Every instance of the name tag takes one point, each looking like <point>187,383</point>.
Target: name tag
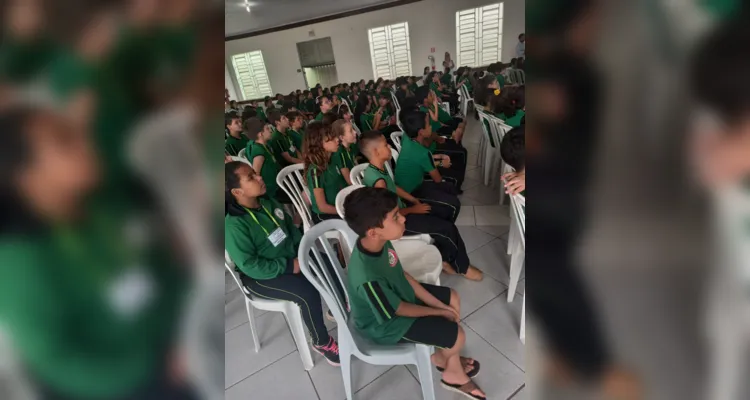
<point>131,291</point>
<point>276,237</point>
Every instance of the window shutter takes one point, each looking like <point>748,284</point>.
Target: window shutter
<point>250,71</point>
<point>479,33</point>
<point>390,51</point>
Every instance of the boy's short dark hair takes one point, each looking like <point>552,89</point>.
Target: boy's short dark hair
<point>421,93</point>
<point>367,139</point>
<point>273,116</point>
<point>414,122</point>
<point>513,148</point>
<point>253,126</point>
<point>292,115</point>
<point>366,208</point>
<point>229,117</point>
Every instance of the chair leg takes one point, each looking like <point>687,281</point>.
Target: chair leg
<point>512,233</point>
<point>297,326</point>
<point>489,160</point>
<point>345,358</point>
<point>522,329</point>
<point>424,368</point>
<point>251,322</point>
<point>516,263</point>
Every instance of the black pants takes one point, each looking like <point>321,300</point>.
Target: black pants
<point>295,288</point>
<point>446,236</point>
<point>318,218</point>
<point>434,331</point>
<point>459,159</point>
<point>441,196</point>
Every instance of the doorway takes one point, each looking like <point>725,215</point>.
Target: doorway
<point>317,62</point>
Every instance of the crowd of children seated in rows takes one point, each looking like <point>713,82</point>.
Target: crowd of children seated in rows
<point>319,130</point>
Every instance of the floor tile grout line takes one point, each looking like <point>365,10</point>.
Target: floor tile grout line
<point>517,390</point>
<point>378,377</point>
<point>312,383</point>
<point>282,357</point>
<point>496,349</point>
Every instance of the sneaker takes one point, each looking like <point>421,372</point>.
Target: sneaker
<point>330,352</point>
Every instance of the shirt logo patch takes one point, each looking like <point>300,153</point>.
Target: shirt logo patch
<point>392,257</point>
<point>279,213</point>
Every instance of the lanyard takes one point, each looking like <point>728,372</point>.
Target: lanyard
<point>256,219</point>
<point>346,156</point>
<point>269,152</point>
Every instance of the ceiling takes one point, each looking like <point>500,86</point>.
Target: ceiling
<point>265,14</point>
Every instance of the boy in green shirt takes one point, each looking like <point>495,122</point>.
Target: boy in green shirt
<point>388,306</point>
<point>262,158</point>
<point>325,106</point>
<point>235,141</point>
<point>263,242</point>
<point>295,132</point>
<point>446,237</point>
<point>281,143</point>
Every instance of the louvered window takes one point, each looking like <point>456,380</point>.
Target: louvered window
<point>390,51</point>
<point>252,78</point>
<point>479,35</point>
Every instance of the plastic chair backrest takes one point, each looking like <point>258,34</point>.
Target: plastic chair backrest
<point>487,133</point>
<point>394,157</point>
<point>357,173</point>
<point>396,139</point>
<point>479,107</point>
<point>341,196</point>
<point>241,159</point>
<point>498,128</point>
<point>242,153</point>
<point>314,251</point>
<point>446,107</point>
<point>292,181</point>
<point>518,202</point>
<point>229,265</point>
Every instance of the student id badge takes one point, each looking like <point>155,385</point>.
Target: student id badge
<point>276,237</point>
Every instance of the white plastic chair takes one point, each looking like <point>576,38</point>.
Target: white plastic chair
<point>396,139</point>
<point>518,242</point>
<point>465,100</point>
<point>492,159</point>
<point>394,156</point>
<point>241,159</point>
<point>356,129</point>
<point>447,107</point>
<point>290,310</point>
<point>357,174</point>
<point>293,182</point>
<point>241,154</point>
<point>351,342</point>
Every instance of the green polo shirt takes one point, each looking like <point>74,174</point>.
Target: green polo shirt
<point>376,286</point>
<point>319,117</point>
<point>434,124</point>
<point>247,242</point>
<point>270,168</point>
<point>345,158</point>
<point>330,180</point>
<point>373,174</point>
<point>91,306</point>
<point>414,161</point>
<point>514,121</point>
<point>296,138</point>
<point>366,120</point>
<point>233,145</point>
<point>283,143</point>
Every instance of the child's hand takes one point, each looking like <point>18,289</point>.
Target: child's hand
<point>449,314</point>
<point>515,182</point>
<point>420,208</point>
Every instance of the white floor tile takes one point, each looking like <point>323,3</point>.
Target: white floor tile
<point>521,395</point>
<point>241,360</point>
<point>496,231</point>
<point>466,216</point>
<point>486,195</point>
<point>234,310</point>
<point>475,173</point>
<point>491,215</point>
<point>473,237</point>
<point>498,323</point>
<point>499,378</point>
<point>283,380</point>
<point>470,183</point>
<point>473,294</point>
<point>396,384</point>
<point>492,260</point>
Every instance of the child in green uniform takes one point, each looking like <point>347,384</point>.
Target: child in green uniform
<point>235,141</point>
<point>513,153</point>
<point>295,133</point>
<point>344,158</point>
<point>325,106</point>
<point>89,308</point>
<point>263,159</point>
<point>446,237</point>
<point>416,160</point>
<point>364,110</point>
<point>507,106</point>
<point>388,306</point>
<point>262,241</point>
<point>442,123</point>
<point>324,180</point>
<point>281,142</point>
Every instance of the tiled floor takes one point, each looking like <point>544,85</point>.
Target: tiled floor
<point>490,322</point>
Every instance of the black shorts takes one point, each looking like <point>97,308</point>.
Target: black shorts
<point>433,331</point>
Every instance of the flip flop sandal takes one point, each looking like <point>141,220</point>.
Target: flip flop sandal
<point>474,372</point>
<point>464,389</point>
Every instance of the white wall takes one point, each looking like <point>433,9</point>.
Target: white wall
<point>432,23</point>
<point>229,84</point>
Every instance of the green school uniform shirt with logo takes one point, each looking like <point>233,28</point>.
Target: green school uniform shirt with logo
<point>270,168</point>
<point>248,244</point>
<point>345,158</point>
<point>283,143</point>
<point>330,180</point>
<point>296,138</point>
<point>91,306</point>
<point>366,120</point>
<point>376,286</point>
<point>373,174</point>
<point>233,145</point>
<point>414,161</point>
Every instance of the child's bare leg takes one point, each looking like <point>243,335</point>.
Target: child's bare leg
<point>455,373</point>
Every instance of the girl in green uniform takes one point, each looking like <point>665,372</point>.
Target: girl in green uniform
<point>324,180</point>
<point>263,242</point>
<point>344,158</point>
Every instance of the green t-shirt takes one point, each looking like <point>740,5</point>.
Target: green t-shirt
<point>296,138</point>
<point>414,161</point>
<point>376,286</point>
<point>466,81</point>
<point>500,80</point>
<point>90,307</point>
<point>434,88</point>
<point>233,145</point>
<point>260,114</point>
<point>330,180</point>
<point>514,121</point>
<point>248,244</point>
<point>319,117</point>
<point>22,60</point>
<point>434,124</point>
<point>345,158</point>
<point>270,168</point>
<point>366,120</point>
<point>373,174</point>
<point>283,143</point>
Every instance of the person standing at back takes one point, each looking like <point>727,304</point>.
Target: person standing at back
<point>521,46</point>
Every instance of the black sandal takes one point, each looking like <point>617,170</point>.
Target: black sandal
<point>464,389</point>
<point>474,372</point>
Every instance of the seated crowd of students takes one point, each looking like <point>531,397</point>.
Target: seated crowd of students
<point>321,133</point>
